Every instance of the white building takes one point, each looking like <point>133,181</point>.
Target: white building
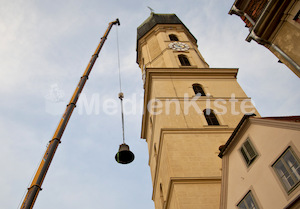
<point>260,164</point>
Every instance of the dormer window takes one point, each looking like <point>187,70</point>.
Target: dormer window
<point>173,37</point>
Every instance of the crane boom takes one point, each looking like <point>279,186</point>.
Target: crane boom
<point>40,174</point>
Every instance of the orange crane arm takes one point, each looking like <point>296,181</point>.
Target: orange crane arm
<point>40,174</point>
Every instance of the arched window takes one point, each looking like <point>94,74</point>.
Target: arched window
<point>210,117</point>
<point>198,89</point>
<point>161,195</point>
<point>184,61</point>
<point>173,37</point>
<point>155,149</point>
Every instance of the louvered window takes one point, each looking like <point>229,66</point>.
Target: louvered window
<point>248,152</point>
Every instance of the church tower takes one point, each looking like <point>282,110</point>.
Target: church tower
<point>190,110</point>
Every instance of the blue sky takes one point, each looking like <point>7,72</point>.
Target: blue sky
<point>46,45</point>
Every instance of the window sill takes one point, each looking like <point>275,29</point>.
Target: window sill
<point>291,190</point>
<point>189,66</point>
<point>215,126</point>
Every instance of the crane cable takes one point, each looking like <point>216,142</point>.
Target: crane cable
<point>121,95</point>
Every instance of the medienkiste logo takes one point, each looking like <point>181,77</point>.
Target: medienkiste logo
<point>95,104</point>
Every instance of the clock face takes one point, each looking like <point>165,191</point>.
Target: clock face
<point>179,46</point>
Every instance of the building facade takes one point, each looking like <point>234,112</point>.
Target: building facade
<point>275,24</point>
<point>261,164</point>
<point>189,111</point>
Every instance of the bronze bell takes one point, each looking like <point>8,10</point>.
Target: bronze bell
<point>124,156</point>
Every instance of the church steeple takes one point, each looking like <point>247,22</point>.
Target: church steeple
<point>190,110</point>
<point>171,44</point>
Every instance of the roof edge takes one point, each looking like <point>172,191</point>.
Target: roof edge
<point>234,133</point>
<point>156,19</point>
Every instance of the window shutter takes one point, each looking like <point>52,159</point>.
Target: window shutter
<point>248,152</point>
<point>245,155</point>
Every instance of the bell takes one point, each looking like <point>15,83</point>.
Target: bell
<point>124,156</point>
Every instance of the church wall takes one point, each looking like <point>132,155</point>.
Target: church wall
<point>215,87</point>
<point>183,148</point>
<point>156,52</point>
<point>200,195</point>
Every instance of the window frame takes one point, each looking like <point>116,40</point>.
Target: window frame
<point>288,169</point>
<point>249,194</point>
<point>245,152</point>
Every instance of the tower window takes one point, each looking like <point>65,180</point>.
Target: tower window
<point>173,37</point>
<point>161,195</point>
<point>184,61</point>
<point>287,168</point>
<point>210,117</point>
<point>198,89</point>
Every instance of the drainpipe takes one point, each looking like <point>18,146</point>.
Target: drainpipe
<point>252,35</point>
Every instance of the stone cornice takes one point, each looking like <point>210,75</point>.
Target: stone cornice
<point>188,180</point>
<point>191,71</point>
<point>276,123</point>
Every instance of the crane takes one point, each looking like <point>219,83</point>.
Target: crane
<point>41,172</point>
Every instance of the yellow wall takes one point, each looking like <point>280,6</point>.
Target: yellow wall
<point>154,51</point>
<point>183,148</point>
